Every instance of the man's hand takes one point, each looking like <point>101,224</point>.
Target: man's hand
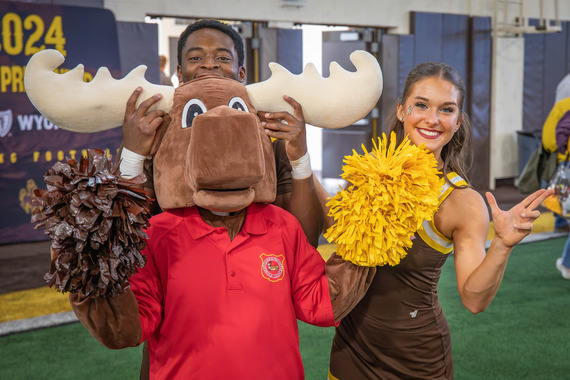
<point>284,126</point>
<point>140,125</point>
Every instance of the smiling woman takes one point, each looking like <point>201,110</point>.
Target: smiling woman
<point>433,115</point>
<point>411,338</point>
<point>430,111</point>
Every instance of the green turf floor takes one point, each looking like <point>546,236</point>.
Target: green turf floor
<point>524,334</point>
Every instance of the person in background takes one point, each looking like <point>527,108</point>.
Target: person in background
<point>398,330</point>
<point>562,92</point>
<point>563,89</point>
<point>164,79</point>
<point>557,129</point>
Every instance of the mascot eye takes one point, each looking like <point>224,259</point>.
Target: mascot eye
<point>193,108</point>
<point>238,104</point>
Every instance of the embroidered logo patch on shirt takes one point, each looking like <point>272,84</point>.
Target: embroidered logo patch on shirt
<point>272,267</point>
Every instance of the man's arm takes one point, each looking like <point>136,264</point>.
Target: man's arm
<point>303,201</point>
<point>324,198</point>
<point>139,129</point>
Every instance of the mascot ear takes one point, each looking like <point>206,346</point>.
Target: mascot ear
<point>334,102</point>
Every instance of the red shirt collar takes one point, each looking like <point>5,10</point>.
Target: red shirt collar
<point>255,223</point>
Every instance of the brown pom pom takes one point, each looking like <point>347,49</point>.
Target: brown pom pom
<point>95,221</point>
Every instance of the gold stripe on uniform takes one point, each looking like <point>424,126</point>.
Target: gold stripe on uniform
<point>331,377</point>
<point>428,232</point>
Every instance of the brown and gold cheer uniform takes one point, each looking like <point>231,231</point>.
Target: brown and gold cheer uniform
<point>398,330</point>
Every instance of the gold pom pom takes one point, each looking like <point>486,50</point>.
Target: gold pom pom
<point>392,191</point>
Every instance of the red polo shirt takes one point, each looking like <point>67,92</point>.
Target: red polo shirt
<point>212,308</point>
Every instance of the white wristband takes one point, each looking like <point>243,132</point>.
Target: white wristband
<point>132,164</point>
<point>301,167</point>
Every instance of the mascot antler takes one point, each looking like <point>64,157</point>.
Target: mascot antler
<point>334,102</point>
<point>72,104</point>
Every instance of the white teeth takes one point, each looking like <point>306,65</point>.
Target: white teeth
<point>429,133</point>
